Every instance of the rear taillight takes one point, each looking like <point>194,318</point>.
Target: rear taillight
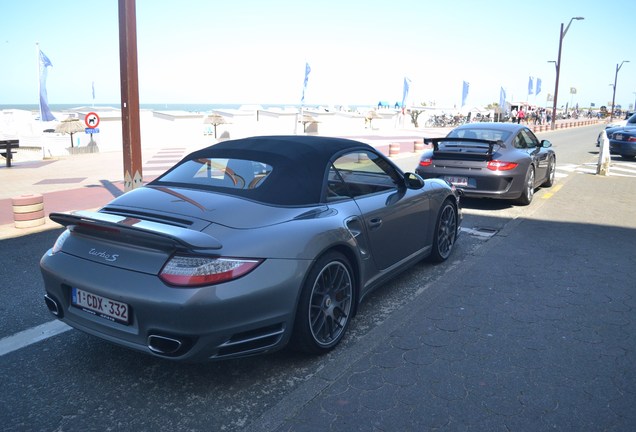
<point>426,162</point>
<point>497,165</point>
<point>631,139</point>
<point>60,241</point>
<point>190,271</point>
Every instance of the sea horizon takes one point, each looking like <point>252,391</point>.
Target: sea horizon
<point>189,107</point>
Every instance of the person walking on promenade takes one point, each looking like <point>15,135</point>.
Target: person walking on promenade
<point>521,116</point>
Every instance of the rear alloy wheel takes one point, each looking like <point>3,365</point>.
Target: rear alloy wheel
<point>551,173</point>
<point>326,304</point>
<point>445,232</point>
<point>528,189</point>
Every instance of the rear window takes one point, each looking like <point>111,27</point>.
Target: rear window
<point>485,134</point>
<point>222,173</point>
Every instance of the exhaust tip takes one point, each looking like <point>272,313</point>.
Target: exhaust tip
<point>53,306</point>
<point>164,345</point>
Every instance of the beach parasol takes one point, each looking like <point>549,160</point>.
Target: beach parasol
<point>70,126</point>
<point>370,115</point>
<point>215,120</point>
<point>307,119</point>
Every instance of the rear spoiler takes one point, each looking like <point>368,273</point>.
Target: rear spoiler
<point>472,148</point>
<point>139,228</point>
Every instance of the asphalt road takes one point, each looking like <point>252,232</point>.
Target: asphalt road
<point>75,382</point>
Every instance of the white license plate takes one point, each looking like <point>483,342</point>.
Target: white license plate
<point>457,181</point>
<point>101,306</point>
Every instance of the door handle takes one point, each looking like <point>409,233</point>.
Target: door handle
<point>375,223</point>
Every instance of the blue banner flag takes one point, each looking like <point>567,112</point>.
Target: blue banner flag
<point>530,85</point>
<point>465,88</point>
<point>307,70</point>
<point>538,90</point>
<point>502,99</point>
<point>405,92</point>
<point>45,111</point>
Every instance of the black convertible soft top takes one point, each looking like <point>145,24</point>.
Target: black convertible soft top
<point>300,165</point>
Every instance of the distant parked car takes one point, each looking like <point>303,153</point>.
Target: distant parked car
<point>622,139</point>
<point>245,246</point>
<point>614,124</point>
<point>619,123</point>
<point>491,160</point>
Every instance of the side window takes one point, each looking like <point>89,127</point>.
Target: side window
<point>529,138</point>
<point>362,173</point>
<point>519,142</point>
<point>336,187</point>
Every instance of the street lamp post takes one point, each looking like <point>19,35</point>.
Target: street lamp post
<point>618,67</point>
<point>558,68</point>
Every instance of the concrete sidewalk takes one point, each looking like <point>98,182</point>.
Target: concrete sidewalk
<point>74,183</point>
<point>536,333</point>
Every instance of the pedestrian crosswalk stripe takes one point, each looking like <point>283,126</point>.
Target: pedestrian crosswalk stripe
<point>567,167</point>
<point>622,169</point>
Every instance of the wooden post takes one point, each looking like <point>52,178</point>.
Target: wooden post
<point>133,176</point>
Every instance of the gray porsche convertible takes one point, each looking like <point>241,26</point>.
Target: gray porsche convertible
<point>246,246</point>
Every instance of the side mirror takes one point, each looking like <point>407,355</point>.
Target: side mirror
<point>413,181</point>
<point>546,144</point>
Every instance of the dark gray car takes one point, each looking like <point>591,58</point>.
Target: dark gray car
<point>491,160</point>
<point>245,246</point>
<point>622,139</point>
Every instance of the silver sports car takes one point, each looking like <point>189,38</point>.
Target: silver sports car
<point>246,246</point>
<point>491,160</point>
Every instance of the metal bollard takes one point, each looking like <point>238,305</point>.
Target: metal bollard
<point>603,166</point>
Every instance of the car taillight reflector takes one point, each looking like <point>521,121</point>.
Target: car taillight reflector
<point>60,241</point>
<point>426,162</point>
<point>497,165</point>
<point>188,271</point>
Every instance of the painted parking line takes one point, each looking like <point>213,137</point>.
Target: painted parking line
<point>479,232</point>
<point>31,336</point>
<point>549,194</point>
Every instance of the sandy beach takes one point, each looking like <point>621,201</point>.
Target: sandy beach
<point>191,130</point>
<point>47,161</point>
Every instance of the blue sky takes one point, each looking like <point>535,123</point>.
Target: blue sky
<point>254,51</point>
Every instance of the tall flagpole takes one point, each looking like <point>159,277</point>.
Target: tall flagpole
<point>38,63</point>
<point>302,99</point>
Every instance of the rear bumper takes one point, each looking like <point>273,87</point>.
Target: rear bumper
<point>253,314</point>
<point>623,148</point>
<point>484,186</point>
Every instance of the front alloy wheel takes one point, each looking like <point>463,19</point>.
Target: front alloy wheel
<point>445,232</point>
<point>325,307</point>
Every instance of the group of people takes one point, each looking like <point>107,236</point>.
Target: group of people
<point>535,116</point>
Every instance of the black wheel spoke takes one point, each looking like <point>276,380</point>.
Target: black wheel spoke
<point>330,303</point>
<point>446,231</point>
